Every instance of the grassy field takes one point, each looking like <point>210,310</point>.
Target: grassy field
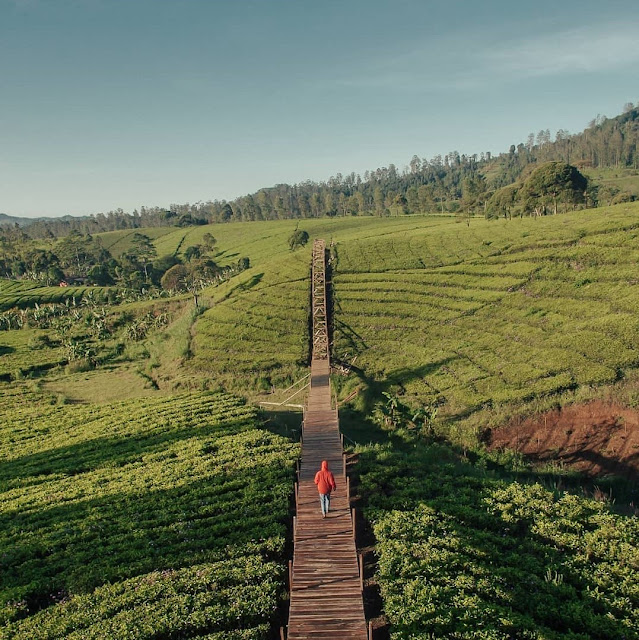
<point>119,242</point>
<point>26,351</point>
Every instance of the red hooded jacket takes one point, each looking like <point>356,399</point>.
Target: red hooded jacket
<point>324,479</point>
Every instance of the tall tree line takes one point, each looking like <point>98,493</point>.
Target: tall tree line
<point>449,183</point>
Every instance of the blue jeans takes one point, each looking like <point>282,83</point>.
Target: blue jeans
<point>325,502</point>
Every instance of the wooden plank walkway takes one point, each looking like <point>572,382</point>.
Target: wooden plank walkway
<point>326,597</point>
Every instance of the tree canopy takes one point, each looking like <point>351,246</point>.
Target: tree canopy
<point>297,239</point>
<point>444,183</point>
<point>502,201</point>
<point>553,183</point>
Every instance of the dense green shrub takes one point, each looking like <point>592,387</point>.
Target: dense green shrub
<point>465,554</point>
<point>157,517</point>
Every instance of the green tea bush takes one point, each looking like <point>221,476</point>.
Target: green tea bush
<point>464,553</point>
<point>156,517</point>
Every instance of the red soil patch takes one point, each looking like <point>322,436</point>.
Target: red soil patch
<point>596,438</point>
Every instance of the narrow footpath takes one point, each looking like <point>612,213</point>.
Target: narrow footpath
<point>326,596</point>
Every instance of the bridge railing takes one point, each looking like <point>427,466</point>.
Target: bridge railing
<point>318,301</point>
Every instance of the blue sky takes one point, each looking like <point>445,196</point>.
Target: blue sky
<point>122,103</point>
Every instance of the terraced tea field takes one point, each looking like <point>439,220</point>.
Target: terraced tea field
<point>147,518</point>
<point>489,321</point>
<point>25,294</point>
<point>166,516</point>
<point>256,332</point>
<point>480,317</point>
<point>471,554</point>
<point>496,313</point>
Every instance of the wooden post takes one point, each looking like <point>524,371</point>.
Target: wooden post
<point>348,491</point>
<point>360,562</point>
<point>282,636</point>
<point>294,526</point>
<point>370,630</point>
<point>344,464</point>
<point>341,437</point>
<point>353,521</point>
<point>290,575</point>
<point>296,497</point>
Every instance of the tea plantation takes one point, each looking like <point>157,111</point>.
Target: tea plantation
<point>465,552</point>
<point>159,517</point>
<point>25,294</point>
<point>167,516</point>
<point>489,316</point>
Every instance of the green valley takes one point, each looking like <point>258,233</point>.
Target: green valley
<point>166,513</point>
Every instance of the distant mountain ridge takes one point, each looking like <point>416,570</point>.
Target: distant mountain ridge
<point>7,220</point>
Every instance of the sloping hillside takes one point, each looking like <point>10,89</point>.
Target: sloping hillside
<point>482,318</point>
<point>442,330</point>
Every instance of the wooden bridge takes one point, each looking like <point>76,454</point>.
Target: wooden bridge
<point>325,576</point>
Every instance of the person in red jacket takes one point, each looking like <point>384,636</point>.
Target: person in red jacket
<point>325,482</point>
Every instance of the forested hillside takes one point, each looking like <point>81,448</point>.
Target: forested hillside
<point>452,182</point>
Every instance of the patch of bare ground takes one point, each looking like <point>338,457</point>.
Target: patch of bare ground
<point>109,384</point>
<point>597,438</point>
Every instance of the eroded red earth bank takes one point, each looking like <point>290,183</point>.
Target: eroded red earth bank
<point>597,438</point>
